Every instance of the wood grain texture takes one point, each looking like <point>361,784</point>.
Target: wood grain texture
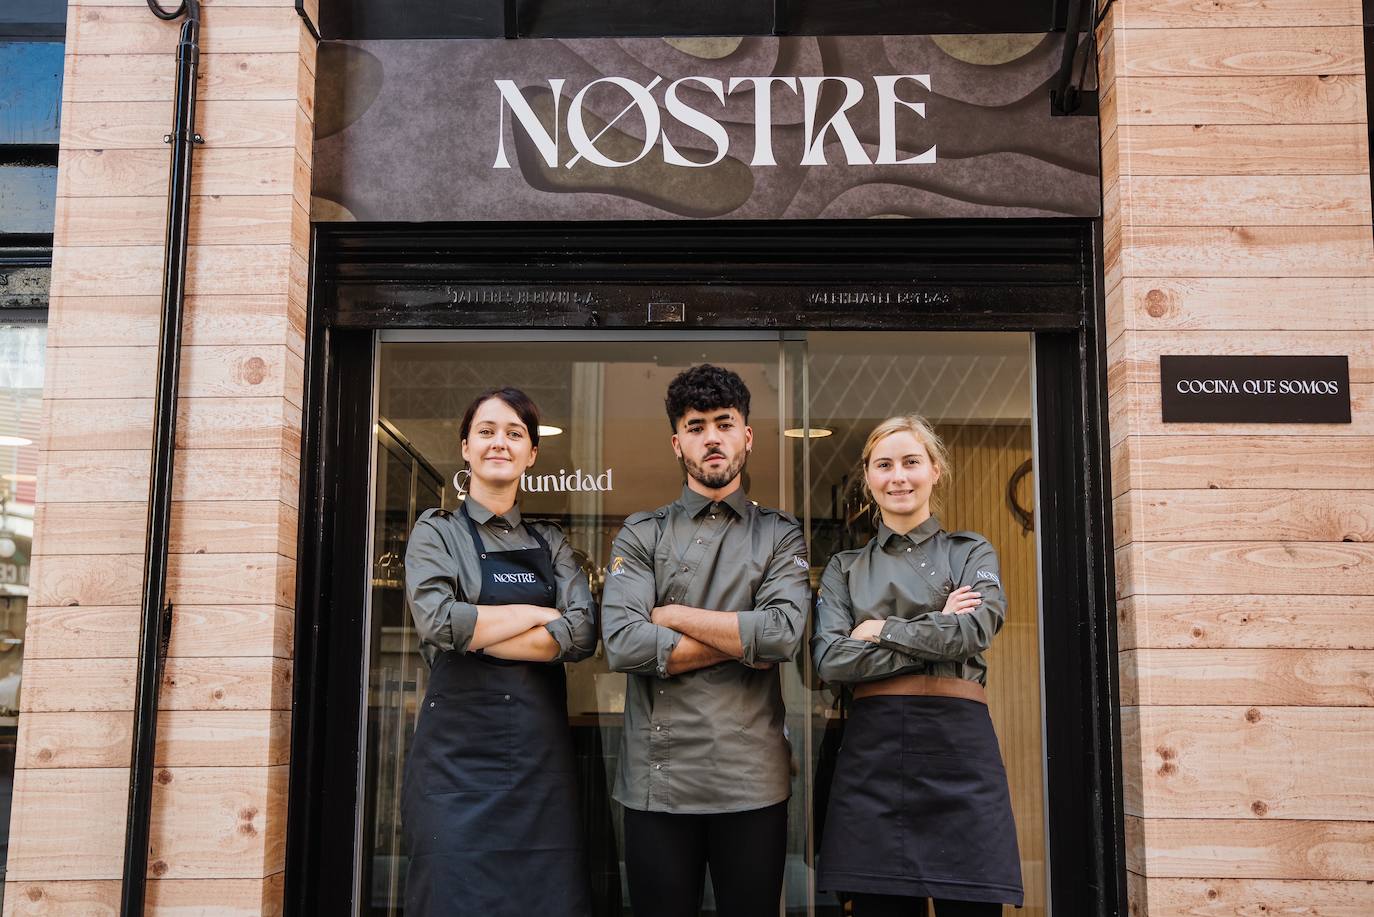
<point>67,823</point>
<point>226,320</point>
<point>166,897</point>
<point>1246,622</point>
<point>95,632</point>
<point>254,124</point>
<point>202,423</point>
<point>1253,200</point>
<point>1134,356</point>
<point>1249,251</point>
<point>242,527</point>
<point>1216,462</point>
<point>212,822</point>
<point>148,78</point>
<point>1245,897</point>
<point>1327,99</point>
<point>1224,14</point>
<point>215,220</point>
<point>1257,849</point>
<point>1248,762</point>
<point>1263,149</point>
<point>225,30</point>
<point>200,474</point>
<point>193,579</point>
<point>136,270</point>
<point>1244,515</point>
<point>1240,51</point>
<point>1257,568</point>
<point>1135,410</point>
<point>1248,303</point>
<point>88,174</point>
<point>185,738</point>
<point>1250,677</point>
<point>188,683</point>
<point>211,371</point>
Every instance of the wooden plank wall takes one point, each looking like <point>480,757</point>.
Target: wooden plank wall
<point>1237,196</point>
<point>220,781</point>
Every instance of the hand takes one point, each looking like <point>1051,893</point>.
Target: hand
<point>961,601</point>
<point>662,614</point>
<point>869,630</point>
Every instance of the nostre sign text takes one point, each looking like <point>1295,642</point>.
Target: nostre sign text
<point>753,128</point>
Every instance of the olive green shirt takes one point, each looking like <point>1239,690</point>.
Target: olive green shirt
<point>709,740</point>
<point>444,579</point>
<point>907,579</point>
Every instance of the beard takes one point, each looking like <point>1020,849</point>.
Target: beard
<point>715,479</point>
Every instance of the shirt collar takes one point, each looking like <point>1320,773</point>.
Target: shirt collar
<point>483,516</point>
<point>915,536</point>
<point>695,503</point>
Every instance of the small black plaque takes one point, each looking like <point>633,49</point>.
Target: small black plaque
<point>1255,389</point>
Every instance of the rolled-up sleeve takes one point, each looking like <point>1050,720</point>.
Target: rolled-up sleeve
<point>633,642</point>
<point>839,658</point>
<point>772,630</point>
<point>956,637</point>
<point>575,631</point>
<point>442,619</point>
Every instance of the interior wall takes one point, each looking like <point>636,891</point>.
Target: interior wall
<point>1237,221</point>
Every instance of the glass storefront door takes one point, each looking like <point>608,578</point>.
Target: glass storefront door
<point>605,454</point>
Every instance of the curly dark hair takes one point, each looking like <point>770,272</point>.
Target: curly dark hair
<point>705,388</point>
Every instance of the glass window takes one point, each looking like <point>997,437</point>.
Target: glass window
<point>814,401</point>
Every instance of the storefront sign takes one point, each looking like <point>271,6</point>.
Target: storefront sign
<point>1255,389</point>
<point>575,481</point>
<point>648,128</point>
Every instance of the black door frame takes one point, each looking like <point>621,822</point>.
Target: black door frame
<point>1037,276</point>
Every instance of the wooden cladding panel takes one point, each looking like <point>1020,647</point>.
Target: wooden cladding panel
<point>189,683</point>
<point>193,579</point>
<point>200,474</point>
<point>207,372</point>
<point>136,270</point>
<point>111,631</point>
<point>1236,897</point>
<point>207,822</point>
<point>124,321</point>
<point>225,30</point>
<point>185,738</point>
<point>1181,462</point>
<point>1263,149</point>
<point>1254,848</point>
<point>1263,52</point>
<point>1134,356</point>
<point>1248,762</point>
<point>1254,200</point>
<point>241,527</point>
<point>1227,14</point>
<point>1244,515</point>
<point>166,898</point>
<point>90,174</point>
<point>202,423</point>
<point>1249,251</point>
<point>1247,303</point>
<point>1327,99</point>
<point>1249,677</point>
<point>152,77</point>
<point>1135,410</point>
<point>215,219</point>
<point>255,124</point>
<point>1245,622</point>
<point>1253,567</point>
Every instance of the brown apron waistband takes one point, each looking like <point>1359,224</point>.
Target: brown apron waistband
<point>916,685</point>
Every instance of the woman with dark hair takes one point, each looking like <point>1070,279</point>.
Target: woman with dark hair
<point>919,807</point>
<point>490,802</point>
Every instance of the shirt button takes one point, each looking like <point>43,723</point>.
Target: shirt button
<point>685,568</point>
<point>507,697</point>
<point>699,541</point>
<point>660,690</point>
<point>658,728</point>
<point>658,767</point>
<point>908,550</point>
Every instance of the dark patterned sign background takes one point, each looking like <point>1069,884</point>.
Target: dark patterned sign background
<point>410,131</point>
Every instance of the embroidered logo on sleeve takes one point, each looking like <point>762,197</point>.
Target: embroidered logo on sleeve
<point>801,561</point>
<point>617,566</point>
<point>989,575</point>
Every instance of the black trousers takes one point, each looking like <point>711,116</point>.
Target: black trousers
<point>901,906</point>
<point>666,857</point>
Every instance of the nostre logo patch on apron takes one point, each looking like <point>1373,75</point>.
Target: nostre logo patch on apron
<point>513,578</point>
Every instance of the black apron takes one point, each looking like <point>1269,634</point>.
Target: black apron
<point>490,803</point>
<point>919,805</point>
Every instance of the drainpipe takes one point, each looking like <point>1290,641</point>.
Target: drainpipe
<point>155,624</point>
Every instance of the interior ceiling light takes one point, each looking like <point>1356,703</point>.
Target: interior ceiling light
<point>15,441</point>
<point>548,430</point>
<point>808,433</point>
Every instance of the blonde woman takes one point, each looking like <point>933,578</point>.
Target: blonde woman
<point>919,807</point>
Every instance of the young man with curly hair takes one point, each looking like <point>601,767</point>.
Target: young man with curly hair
<point>704,598</point>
